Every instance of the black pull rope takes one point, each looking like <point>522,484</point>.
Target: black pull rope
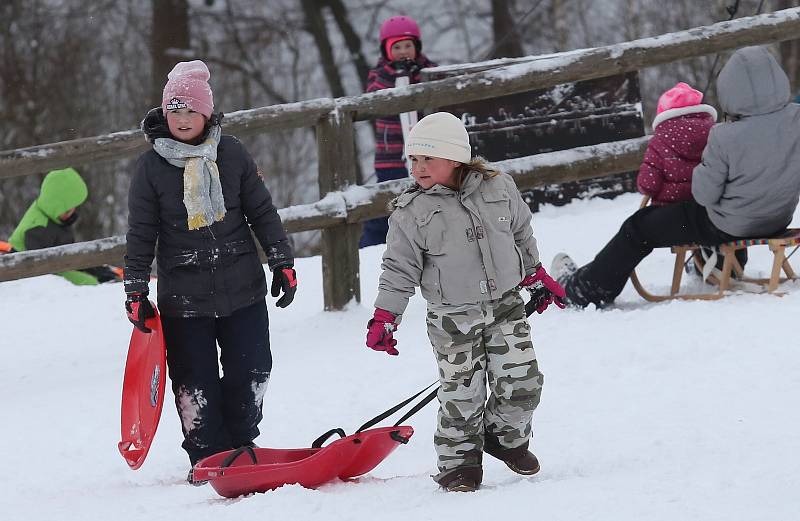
<point>396,408</point>
<point>414,410</point>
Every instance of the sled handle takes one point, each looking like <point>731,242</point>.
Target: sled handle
<point>399,438</point>
<point>322,439</point>
<point>228,461</point>
<point>131,453</point>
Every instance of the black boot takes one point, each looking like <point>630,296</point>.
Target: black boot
<point>519,459</point>
<point>194,482</point>
<point>461,479</point>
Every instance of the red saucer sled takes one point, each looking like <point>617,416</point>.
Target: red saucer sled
<point>248,469</point>
<point>143,391</point>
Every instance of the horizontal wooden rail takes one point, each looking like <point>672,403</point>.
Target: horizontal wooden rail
<point>120,145</point>
<point>353,205</point>
<point>536,73</point>
<point>583,64</point>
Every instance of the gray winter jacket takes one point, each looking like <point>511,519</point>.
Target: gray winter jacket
<point>459,247</point>
<point>749,178</point>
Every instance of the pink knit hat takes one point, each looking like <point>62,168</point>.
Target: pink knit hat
<point>187,86</point>
<point>681,95</point>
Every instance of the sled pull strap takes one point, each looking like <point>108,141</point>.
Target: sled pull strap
<point>322,439</point>
<point>399,406</point>
<point>417,407</point>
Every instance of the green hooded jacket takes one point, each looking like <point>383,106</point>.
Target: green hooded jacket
<point>40,227</point>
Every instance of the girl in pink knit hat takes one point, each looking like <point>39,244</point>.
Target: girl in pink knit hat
<point>680,133</point>
<point>194,200</point>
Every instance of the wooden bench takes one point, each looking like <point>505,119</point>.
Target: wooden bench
<point>780,263</point>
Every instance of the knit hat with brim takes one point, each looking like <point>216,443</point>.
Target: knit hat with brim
<point>440,134</point>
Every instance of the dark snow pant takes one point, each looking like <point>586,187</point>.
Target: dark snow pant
<point>219,413</point>
<point>375,229</point>
<point>603,279</point>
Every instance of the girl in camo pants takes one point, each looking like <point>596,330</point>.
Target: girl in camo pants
<point>462,234</point>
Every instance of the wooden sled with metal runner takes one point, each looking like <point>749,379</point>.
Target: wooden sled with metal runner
<point>730,266</point>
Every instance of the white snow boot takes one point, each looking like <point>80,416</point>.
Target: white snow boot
<point>562,268</point>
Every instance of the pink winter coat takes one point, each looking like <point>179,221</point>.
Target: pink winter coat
<point>679,137</point>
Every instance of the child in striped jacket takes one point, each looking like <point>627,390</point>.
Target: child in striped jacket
<point>401,55</point>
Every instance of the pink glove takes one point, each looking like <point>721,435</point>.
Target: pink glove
<point>544,289</point>
<point>379,332</point>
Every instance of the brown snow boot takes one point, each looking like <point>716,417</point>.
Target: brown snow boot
<point>461,479</point>
<point>519,459</point>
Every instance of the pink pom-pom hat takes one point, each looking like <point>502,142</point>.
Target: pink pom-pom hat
<point>187,87</point>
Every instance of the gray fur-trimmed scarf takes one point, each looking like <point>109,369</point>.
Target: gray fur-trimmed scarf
<point>202,190</point>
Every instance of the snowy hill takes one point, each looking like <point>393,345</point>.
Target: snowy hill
<point>675,411</point>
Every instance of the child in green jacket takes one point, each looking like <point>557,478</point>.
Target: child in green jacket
<point>48,222</point>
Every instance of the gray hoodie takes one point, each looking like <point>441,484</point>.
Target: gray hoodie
<point>749,178</point>
<point>459,247</point>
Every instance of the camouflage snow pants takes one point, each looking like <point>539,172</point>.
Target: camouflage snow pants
<point>473,343</point>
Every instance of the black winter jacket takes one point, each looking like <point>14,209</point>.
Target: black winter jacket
<point>215,270</point>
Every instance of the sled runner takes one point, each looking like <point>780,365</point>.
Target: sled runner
<point>725,281</point>
<point>247,470</point>
<point>143,391</point>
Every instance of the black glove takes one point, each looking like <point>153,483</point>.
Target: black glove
<point>139,309</point>
<point>284,278</point>
<point>540,298</point>
<point>405,67</point>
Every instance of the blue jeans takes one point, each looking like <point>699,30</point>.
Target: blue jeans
<point>375,229</point>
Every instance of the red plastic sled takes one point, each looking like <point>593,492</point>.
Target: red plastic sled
<point>143,391</point>
<point>244,471</point>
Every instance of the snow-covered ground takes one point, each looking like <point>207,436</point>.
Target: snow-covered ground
<point>677,411</point>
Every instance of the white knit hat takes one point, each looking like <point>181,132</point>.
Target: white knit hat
<point>440,134</point>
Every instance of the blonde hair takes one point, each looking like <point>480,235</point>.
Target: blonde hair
<point>476,164</point>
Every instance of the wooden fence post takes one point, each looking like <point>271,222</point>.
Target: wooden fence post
<point>337,169</point>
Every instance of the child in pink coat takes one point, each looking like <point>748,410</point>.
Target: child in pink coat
<point>680,133</point>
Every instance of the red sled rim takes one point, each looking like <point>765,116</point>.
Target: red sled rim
<point>142,392</point>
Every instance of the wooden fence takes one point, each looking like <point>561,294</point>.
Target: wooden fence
<point>343,206</point>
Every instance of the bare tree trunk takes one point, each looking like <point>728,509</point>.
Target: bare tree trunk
<point>170,31</point>
<point>351,39</point>
<point>507,42</point>
<point>558,21</point>
<point>633,21</point>
<point>790,50</point>
<point>315,24</point>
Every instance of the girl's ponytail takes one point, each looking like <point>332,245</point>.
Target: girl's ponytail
<point>476,164</point>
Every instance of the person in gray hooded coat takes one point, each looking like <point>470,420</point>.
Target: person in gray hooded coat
<point>747,184</point>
